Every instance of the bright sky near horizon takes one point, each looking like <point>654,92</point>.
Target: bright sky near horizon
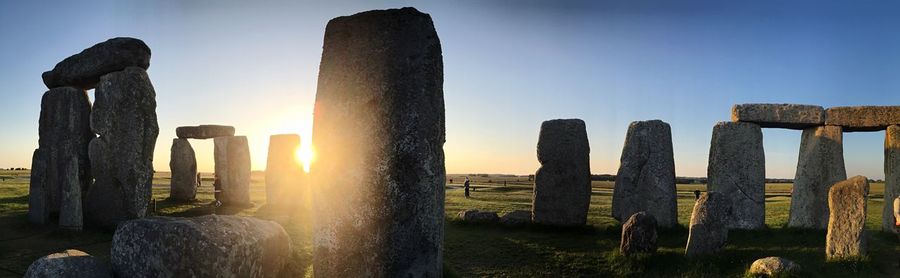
<point>508,66</point>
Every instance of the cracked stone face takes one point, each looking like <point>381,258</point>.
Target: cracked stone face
<point>646,177</point>
<point>562,185</point>
<point>846,237</point>
<point>737,169</point>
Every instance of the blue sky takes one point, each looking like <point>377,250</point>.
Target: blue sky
<point>508,66</point>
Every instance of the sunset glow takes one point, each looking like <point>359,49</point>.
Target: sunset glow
<point>305,154</point>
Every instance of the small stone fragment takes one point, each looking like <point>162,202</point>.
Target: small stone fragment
<point>708,232</point>
<point>516,218</point>
<point>476,216</point>
<point>774,267</point>
<point>639,234</point>
<point>70,263</point>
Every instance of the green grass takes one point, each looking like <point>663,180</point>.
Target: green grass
<point>492,250</point>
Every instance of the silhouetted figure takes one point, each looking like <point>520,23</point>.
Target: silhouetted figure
<point>451,181</point>
<point>199,183</point>
<point>217,189</point>
<point>466,185</point>
<point>697,194</point>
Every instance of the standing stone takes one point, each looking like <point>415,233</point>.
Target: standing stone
<point>846,236</point>
<point>232,157</point>
<point>70,263</point>
<point>891,176</point>
<point>562,186</point>
<point>183,166</point>
<point>124,116</point>
<point>84,69</point>
<point>204,246</point>
<point>793,116</point>
<point>863,118</point>
<point>646,177</point>
<point>708,232</point>
<point>639,234</point>
<point>70,217</point>
<point>38,201</point>
<point>820,165</point>
<point>737,168</point>
<point>379,134</point>
<point>65,132</point>
<point>283,172</point>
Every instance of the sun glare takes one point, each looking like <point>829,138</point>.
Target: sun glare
<point>305,155</point>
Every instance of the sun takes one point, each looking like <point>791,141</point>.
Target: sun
<point>305,155</point>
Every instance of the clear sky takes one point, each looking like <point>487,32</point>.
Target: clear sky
<point>508,66</point>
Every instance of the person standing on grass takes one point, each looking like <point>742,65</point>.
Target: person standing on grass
<point>466,185</point>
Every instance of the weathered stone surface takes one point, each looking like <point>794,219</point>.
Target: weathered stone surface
<point>64,129</point>
<point>793,116</point>
<point>820,165</point>
<point>516,218</point>
<point>708,232</point>
<point>84,69</point>
<point>379,135</point>
<point>204,246</point>
<point>863,118</point>
<point>70,213</point>
<point>846,236</point>
<point>477,216</point>
<point>774,267</point>
<point>284,174</point>
<point>638,234</point>
<point>891,176</point>
<point>232,157</point>
<point>562,186</point>
<point>124,117</point>
<point>737,168</point>
<point>204,131</point>
<point>646,177</point>
<point>38,199</point>
<point>183,165</point>
<point>69,263</point>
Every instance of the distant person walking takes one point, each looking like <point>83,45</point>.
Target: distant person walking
<point>466,185</point>
<point>697,194</point>
<point>199,183</point>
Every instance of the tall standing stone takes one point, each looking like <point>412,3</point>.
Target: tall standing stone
<point>183,166</point>
<point>708,232</point>
<point>38,199</point>
<point>562,186</point>
<point>891,176</point>
<point>646,177</point>
<point>64,130</point>
<point>379,132</point>
<point>124,117</point>
<point>820,165</point>
<point>283,173</point>
<point>70,212</point>
<point>846,236</point>
<point>737,168</point>
<point>232,157</point>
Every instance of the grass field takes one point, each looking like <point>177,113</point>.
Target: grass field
<point>489,250</point>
